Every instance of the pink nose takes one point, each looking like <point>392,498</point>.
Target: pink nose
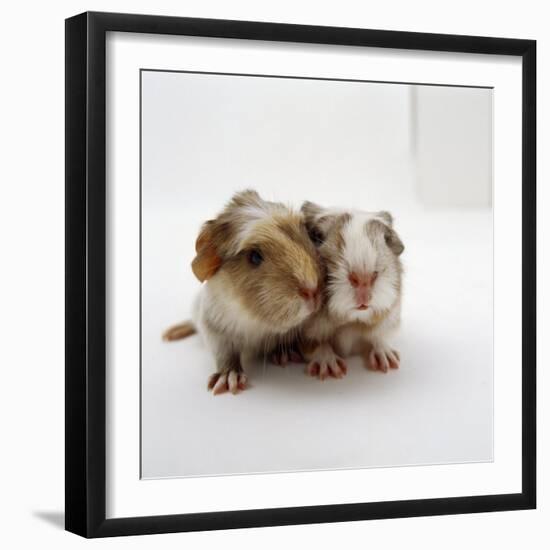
<point>310,295</point>
<point>362,283</point>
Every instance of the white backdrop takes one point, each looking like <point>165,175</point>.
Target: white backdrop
<point>31,221</point>
<point>342,144</point>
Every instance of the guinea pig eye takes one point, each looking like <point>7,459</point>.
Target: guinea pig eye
<point>316,237</point>
<point>255,257</point>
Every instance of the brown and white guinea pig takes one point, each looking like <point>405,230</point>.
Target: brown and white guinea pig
<point>362,305</point>
<point>262,277</point>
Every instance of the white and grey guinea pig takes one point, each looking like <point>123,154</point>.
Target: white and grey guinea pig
<point>262,279</point>
<point>361,254</point>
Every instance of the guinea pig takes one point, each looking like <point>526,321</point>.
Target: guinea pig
<point>262,281</point>
<point>362,306</point>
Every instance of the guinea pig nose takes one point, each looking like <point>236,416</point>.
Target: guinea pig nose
<point>312,297</point>
<point>309,293</point>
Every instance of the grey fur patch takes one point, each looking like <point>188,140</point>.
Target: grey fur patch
<point>376,229</point>
<point>386,217</point>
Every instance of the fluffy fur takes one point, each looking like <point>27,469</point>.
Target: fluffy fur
<point>354,242</point>
<point>262,277</point>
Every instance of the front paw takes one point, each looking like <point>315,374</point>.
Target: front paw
<point>382,358</point>
<point>287,354</point>
<point>232,381</point>
<point>325,363</point>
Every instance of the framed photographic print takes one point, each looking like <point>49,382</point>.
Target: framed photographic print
<point>300,274</point>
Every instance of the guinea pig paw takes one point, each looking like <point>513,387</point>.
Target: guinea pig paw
<point>382,359</point>
<point>232,381</point>
<point>280,358</point>
<point>325,367</point>
<point>283,356</point>
<point>295,356</point>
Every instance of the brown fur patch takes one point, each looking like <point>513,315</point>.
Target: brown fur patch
<point>307,347</point>
<point>286,268</point>
<point>268,291</point>
<point>207,261</point>
<point>178,332</point>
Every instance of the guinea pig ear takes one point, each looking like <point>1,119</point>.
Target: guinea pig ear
<point>377,228</point>
<point>393,241</point>
<point>311,211</point>
<point>248,197</point>
<point>391,237</point>
<point>207,261</point>
<point>386,217</point>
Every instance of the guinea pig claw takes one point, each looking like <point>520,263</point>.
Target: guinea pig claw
<point>232,381</point>
<point>242,381</point>
<point>280,358</point>
<point>333,367</point>
<point>343,367</point>
<point>221,386</point>
<point>373,362</point>
<point>383,359</point>
<point>394,359</point>
<point>212,379</point>
<point>339,372</point>
<point>313,368</point>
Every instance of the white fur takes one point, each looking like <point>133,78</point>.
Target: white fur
<point>223,310</point>
<point>253,215</point>
<point>361,255</point>
<point>216,302</point>
<point>350,339</point>
<point>359,252</point>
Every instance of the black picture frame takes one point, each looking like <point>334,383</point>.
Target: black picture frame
<point>85,453</point>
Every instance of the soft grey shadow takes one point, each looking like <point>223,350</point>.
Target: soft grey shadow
<point>57,519</point>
